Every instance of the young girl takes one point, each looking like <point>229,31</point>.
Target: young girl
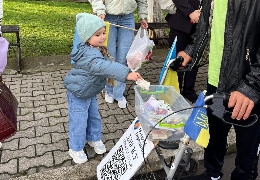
<point>87,79</point>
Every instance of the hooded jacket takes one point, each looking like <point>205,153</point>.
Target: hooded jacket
<point>119,7</point>
<point>91,69</point>
<point>240,65</point>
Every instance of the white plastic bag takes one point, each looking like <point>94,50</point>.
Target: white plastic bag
<point>140,50</point>
<point>3,54</point>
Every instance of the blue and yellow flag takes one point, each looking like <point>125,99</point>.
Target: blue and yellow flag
<point>171,77</point>
<point>197,126</point>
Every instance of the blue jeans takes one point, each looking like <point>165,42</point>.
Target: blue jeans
<point>119,42</point>
<point>84,121</point>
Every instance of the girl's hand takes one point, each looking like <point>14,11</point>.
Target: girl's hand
<point>102,16</point>
<point>144,24</point>
<point>134,76</point>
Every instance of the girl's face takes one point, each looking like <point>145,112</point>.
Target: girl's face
<point>98,38</point>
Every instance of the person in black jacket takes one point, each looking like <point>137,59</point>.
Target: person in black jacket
<point>182,24</point>
<point>234,69</point>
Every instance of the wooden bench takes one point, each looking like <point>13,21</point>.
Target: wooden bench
<point>14,29</point>
<point>155,26</point>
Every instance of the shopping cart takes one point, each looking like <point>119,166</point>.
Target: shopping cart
<point>182,164</point>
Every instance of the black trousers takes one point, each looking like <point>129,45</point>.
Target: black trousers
<point>247,143</point>
<point>188,78</point>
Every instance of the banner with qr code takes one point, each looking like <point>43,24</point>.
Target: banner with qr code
<point>126,157</point>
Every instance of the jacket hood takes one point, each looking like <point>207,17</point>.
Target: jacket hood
<point>81,49</point>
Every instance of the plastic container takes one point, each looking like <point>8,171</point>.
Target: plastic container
<point>171,127</point>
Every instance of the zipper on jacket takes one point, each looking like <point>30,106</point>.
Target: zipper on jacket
<point>248,55</point>
<point>199,50</point>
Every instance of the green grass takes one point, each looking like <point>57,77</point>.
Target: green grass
<point>46,27</point>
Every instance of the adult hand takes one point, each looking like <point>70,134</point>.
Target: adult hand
<point>186,58</point>
<point>242,105</point>
<point>144,24</point>
<point>195,16</point>
<point>134,76</point>
<point>102,16</point>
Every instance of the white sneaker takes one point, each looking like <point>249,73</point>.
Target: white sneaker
<point>78,157</point>
<point>0,144</point>
<point>122,103</point>
<point>98,146</point>
<point>109,99</point>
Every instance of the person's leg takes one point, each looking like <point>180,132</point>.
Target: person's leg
<point>248,144</point>
<point>93,131</point>
<point>216,149</point>
<point>78,116</point>
<point>112,44</point>
<point>125,38</point>
<point>188,85</point>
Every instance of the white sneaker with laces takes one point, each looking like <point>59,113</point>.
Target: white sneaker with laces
<point>78,157</point>
<point>122,103</point>
<point>98,146</point>
<point>109,99</point>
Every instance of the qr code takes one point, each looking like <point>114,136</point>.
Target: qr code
<point>115,167</point>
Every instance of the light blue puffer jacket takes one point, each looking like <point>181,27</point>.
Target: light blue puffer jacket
<point>88,76</point>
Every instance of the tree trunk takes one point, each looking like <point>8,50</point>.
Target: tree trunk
<point>155,14</point>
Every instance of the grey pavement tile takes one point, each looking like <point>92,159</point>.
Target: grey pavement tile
<point>5,176</point>
<point>39,115</point>
<point>43,148</point>
<point>54,96</point>
<point>113,135</point>
<point>114,127</point>
<point>30,80</point>
<point>56,137</point>
<point>26,89</point>
<point>61,156</point>
<point>26,124</point>
<point>10,167</point>
<point>109,145</point>
<point>8,154</point>
<point>25,111</point>
<point>44,160</point>
<point>28,104</point>
<point>42,92</point>
<point>109,119</point>
<point>27,133</point>
<point>10,144</point>
<point>40,130</point>
<point>37,98</point>
<point>64,112</point>
<point>25,142</point>
<point>104,128</point>
<point>45,102</point>
<point>27,117</point>
<point>123,118</point>
<point>56,106</point>
<point>62,100</point>
<point>57,120</point>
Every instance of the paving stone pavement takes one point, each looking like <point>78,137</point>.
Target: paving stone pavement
<point>41,142</point>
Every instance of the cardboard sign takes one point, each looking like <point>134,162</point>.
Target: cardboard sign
<point>126,157</point>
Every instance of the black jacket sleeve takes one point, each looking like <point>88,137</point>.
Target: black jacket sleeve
<point>184,7</point>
